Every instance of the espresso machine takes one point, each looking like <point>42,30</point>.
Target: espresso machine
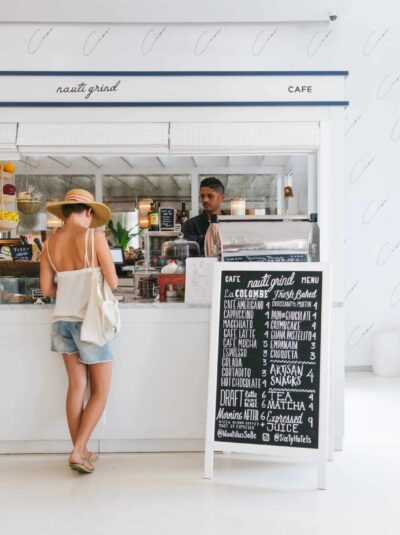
<point>264,239</point>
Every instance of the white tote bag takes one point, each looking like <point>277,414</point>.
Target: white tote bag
<point>102,320</point>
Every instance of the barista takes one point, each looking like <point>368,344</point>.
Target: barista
<point>211,195</point>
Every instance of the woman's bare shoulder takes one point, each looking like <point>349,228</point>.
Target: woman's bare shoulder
<point>99,237</point>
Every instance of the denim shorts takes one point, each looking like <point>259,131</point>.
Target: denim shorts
<point>66,338</point>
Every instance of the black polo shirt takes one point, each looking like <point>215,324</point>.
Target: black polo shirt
<point>195,229</point>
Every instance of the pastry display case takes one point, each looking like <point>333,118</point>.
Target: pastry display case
<point>20,290</point>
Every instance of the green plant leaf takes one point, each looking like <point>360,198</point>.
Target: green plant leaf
<point>121,234</point>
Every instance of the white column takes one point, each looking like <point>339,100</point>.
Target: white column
<point>98,186</point>
<point>312,193</point>
<point>280,194</point>
<point>337,228</point>
<point>331,221</point>
<point>195,193</point>
<point>324,193</point>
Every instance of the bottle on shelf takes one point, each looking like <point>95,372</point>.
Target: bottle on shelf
<point>154,218</point>
<point>184,215</point>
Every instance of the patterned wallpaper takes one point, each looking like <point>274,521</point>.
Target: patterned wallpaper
<point>363,40</point>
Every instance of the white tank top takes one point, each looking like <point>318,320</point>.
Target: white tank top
<point>73,288</point>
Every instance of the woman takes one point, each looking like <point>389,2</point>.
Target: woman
<point>65,272</point>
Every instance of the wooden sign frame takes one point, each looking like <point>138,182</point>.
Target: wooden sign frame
<point>320,454</point>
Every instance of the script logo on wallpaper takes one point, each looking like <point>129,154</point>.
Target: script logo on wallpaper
<point>88,90</point>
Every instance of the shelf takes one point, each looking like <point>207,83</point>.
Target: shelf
<point>6,176</point>
<point>7,199</point>
<point>6,225</point>
<point>161,233</point>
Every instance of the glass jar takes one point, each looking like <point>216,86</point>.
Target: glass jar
<point>145,281</point>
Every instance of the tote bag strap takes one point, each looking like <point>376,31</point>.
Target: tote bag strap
<point>99,283</point>
<point>87,263</point>
<point>92,249</point>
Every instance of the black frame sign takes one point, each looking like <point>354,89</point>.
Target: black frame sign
<point>21,252</point>
<point>269,353</point>
<point>167,218</point>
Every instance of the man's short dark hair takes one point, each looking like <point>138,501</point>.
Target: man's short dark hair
<point>213,183</point>
<point>68,209</point>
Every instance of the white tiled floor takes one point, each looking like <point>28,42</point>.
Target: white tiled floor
<point>165,493</point>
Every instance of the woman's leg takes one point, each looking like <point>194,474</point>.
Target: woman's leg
<point>77,383</point>
<point>100,380</point>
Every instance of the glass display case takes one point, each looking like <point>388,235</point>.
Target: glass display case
<point>19,290</point>
<point>153,242</point>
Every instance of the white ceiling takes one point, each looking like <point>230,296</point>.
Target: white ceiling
<point>131,165</point>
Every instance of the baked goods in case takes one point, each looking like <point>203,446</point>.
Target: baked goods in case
<point>14,298</point>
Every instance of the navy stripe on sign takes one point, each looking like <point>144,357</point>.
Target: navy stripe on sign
<point>174,73</point>
<point>165,104</point>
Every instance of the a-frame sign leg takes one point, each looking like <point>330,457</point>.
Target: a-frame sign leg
<point>322,472</point>
<point>209,464</point>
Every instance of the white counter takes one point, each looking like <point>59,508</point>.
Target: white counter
<point>159,389</point>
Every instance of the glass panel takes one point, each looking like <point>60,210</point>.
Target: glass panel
<point>129,221</point>
<point>161,188</point>
<point>259,191</point>
<point>122,193</point>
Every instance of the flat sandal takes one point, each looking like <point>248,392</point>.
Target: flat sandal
<point>92,456</point>
<point>81,467</point>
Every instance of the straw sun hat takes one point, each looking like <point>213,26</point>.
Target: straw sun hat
<point>101,212</point>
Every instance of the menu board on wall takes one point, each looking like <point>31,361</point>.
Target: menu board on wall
<point>268,359</point>
<point>167,218</point>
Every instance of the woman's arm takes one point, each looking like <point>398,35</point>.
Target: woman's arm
<point>105,260</point>
<point>47,285</point>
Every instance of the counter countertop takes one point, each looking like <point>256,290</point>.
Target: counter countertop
<point>133,304</point>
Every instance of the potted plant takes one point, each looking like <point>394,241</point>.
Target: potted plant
<point>121,234</point>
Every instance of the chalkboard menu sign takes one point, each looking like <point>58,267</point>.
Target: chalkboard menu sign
<point>268,358</point>
<point>267,345</point>
<point>167,218</point>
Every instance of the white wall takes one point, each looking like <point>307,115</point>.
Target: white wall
<point>363,40</point>
<point>299,180</point>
